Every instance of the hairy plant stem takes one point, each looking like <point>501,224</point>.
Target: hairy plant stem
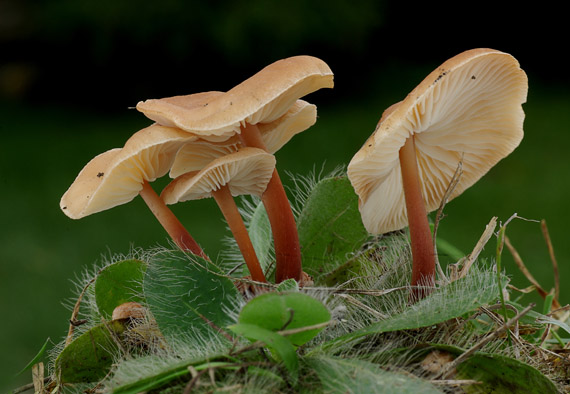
<point>280,214</point>
<point>423,266</point>
<point>227,205</point>
<point>170,222</point>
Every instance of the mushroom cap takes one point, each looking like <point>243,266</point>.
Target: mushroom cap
<point>116,177</point>
<point>262,98</point>
<point>246,171</point>
<point>468,110</point>
<point>195,155</point>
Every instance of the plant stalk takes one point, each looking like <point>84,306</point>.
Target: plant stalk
<point>170,222</point>
<point>423,266</point>
<point>280,214</point>
<point>230,211</point>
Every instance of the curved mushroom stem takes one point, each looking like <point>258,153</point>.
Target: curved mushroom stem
<point>171,224</point>
<point>281,219</point>
<point>423,266</point>
<point>227,205</point>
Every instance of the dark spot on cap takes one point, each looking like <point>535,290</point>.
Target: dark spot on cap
<point>99,175</point>
<point>473,77</point>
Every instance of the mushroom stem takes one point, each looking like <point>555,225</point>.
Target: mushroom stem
<point>423,266</point>
<point>171,224</point>
<point>227,205</point>
<point>280,215</point>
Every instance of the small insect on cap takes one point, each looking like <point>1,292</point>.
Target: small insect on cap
<point>468,110</point>
<point>116,177</point>
<point>263,98</point>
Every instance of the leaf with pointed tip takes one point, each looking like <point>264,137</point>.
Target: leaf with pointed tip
<point>447,302</point>
<point>330,227</point>
<point>345,375</point>
<point>261,237</point>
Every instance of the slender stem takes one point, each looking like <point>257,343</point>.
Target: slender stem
<point>281,219</point>
<point>423,267</point>
<point>171,224</point>
<point>227,205</point>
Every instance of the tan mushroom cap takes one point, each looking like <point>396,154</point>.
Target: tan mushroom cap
<point>263,98</point>
<point>246,171</point>
<point>469,110</point>
<point>195,155</point>
<point>116,177</point>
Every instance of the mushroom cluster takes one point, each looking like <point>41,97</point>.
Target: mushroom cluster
<point>222,144</point>
<point>468,111</point>
<point>218,144</point>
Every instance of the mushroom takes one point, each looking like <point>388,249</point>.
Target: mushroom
<point>263,98</point>
<point>117,176</point>
<point>468,110</point>
<point>246,171</point>
<point>194,155</point>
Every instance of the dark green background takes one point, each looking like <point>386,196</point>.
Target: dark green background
<point>71,70</point>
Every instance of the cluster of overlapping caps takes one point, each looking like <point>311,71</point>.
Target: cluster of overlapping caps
<point>221,144</point>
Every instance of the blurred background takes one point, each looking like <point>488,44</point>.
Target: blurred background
<point>72,70</point>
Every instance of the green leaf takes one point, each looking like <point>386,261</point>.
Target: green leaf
<point>501,374</point>
<point>330,227</point>
<point>451,301</point>
<point>286,311</point>
<point>261,237</point>
<point>90,356</point>
<point>279,345</point>
<point>118,283</point>
<point>36,358</point>
<point>343,375</point>
<point>187,294</point>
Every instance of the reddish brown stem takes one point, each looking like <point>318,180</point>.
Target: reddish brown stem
<point>423,266</point>
<point>281,219</point>
<point>171,224</point>
<point>230,211</point>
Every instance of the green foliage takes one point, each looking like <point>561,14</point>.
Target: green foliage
<point>447,302</point>
<point>260,235</point>
<point>330,227</point>
<point>280,346</point>
<point>286,311</point>
<point>187,294</point>
<point>90,356</point>
<point>342,375</point>
<point>499,374</point>
<point>118,283</point>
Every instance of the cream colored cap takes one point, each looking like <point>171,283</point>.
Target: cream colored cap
<point>263,98</point>
<point>246,171</point>
<point>469,109</point>
<point>116,177</point>
<point>195,155</point>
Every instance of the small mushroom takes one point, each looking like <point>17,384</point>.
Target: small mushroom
<point>263,98</point>
<point>246,171</point>
<point>194,155</point>
<point>117,176</point>
<point>129,310</point>
<point>468,110</point>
